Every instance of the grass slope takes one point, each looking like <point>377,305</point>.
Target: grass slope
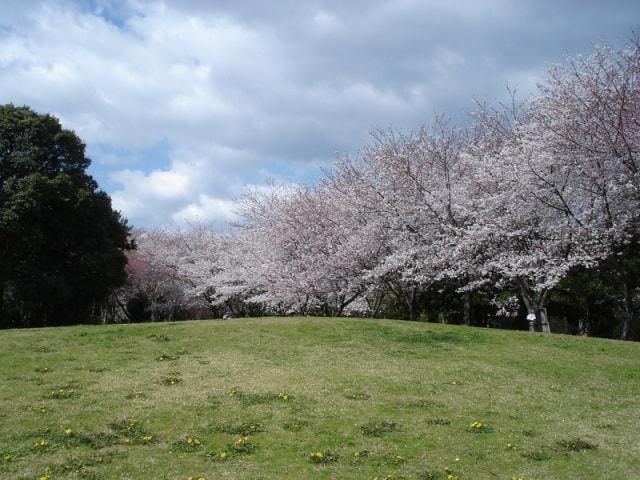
<point>315,398</point>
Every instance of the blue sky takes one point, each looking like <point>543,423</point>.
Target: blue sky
<point>183,104</point>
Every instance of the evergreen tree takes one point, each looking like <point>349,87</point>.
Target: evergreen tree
<point>61,243</point>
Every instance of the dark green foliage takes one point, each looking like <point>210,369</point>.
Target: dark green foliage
<point>601,301</point>
<point>61,243</point>
<point>598,301</point>
<point>138,308</point>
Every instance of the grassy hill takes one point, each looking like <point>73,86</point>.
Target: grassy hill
<point>315,398</point>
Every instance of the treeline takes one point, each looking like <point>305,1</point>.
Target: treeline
<point>528,218</point>
<point>588,301</point>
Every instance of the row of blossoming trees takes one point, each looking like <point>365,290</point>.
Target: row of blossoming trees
<point>505,209</point>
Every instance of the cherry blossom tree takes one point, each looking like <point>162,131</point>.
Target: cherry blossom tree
<point>152,272</point>
<point>587,119</point>
<point>556,185</point>
<point>300,251</point>
<point>406,188</point>
<point>512,204</point>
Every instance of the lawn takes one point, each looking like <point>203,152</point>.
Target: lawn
<point>292,398</point>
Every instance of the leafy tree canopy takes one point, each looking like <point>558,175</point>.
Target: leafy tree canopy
<point>61,243</point>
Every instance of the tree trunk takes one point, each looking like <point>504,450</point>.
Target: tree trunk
<point>410,300</point>
<point>544,320</point>
<point>528,303</point>
<point>583,326</point>
<point>407,296</point>
<point>628,311</point>
<point>2,302</point>
<point>534,302</point>
<point>542,311</point>
<point>345,302</point>
<point>376,304</point>
<point>467,308</point>
<point>123,308</point>
<point>229,305</point>
<point>304,306</point>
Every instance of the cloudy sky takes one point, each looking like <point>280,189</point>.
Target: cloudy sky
<point>184,103</point>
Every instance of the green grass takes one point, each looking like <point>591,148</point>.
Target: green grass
<point>291,398</point>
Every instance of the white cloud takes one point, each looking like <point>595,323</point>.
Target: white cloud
<point>207,210</point>
<point>237,91</point>
<point>151,195</point>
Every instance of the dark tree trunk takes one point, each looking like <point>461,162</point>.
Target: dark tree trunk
<point>407,296</point>
<point>628,310</point>
<point>534,302</point>
<point>410,301</point>
<point>376,304</point>
<point>467,312</point>
<point>2,315</point>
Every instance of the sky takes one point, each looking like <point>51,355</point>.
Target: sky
<point>184,104</point>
